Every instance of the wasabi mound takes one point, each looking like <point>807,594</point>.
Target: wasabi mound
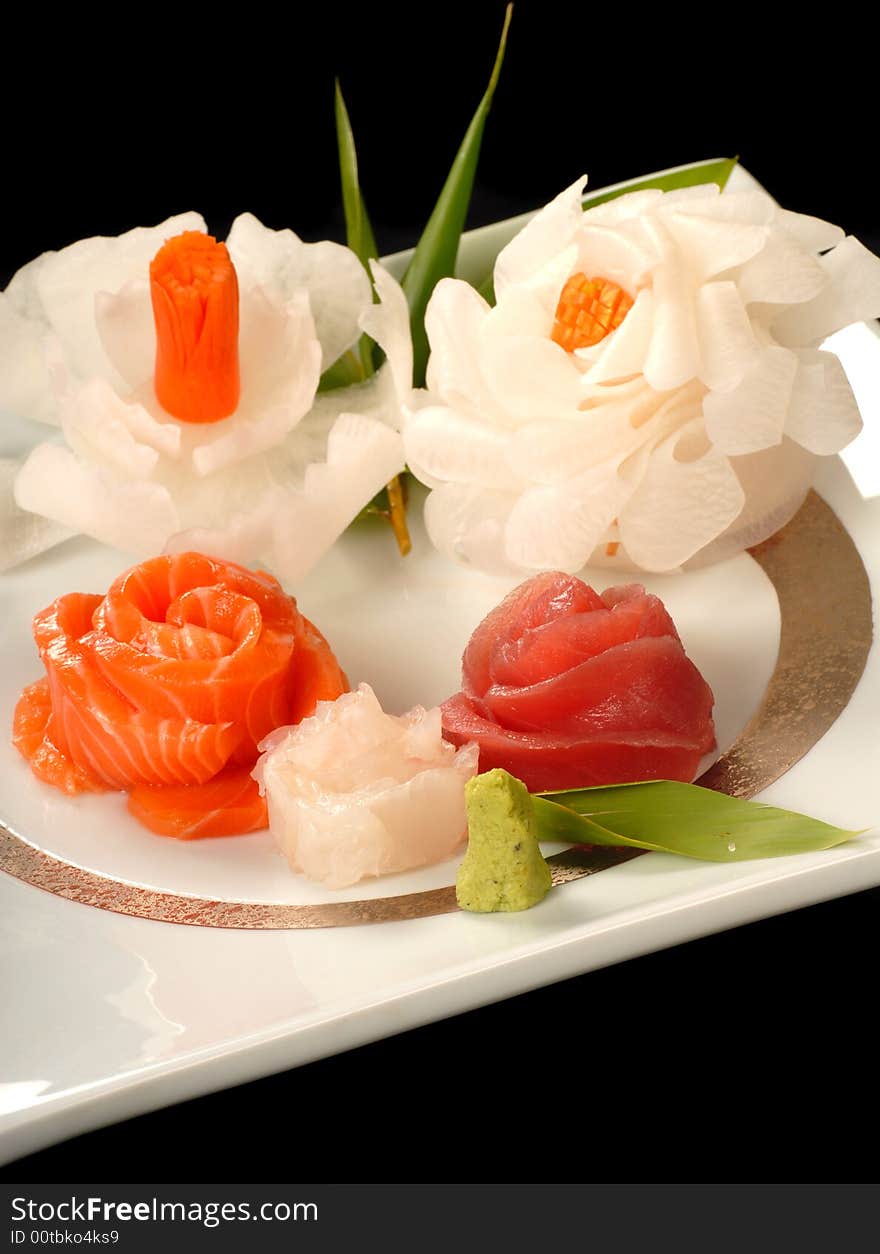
<point>503,868</point>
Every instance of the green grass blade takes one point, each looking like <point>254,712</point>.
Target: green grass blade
<point>358,229</point>
<point>435,254</point>
<point>705,172</point>
<point>681,818</point>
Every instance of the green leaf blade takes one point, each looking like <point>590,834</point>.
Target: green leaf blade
<point>671,817</point>
<point>691,176</point>
<point>435,254</point>
<point>358,228</point>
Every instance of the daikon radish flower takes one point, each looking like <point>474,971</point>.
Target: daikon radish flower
<point>355,792</point>
<point>183,376</point>
<point>649,389</point>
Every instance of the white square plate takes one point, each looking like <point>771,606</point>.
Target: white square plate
<point>107,1016</point>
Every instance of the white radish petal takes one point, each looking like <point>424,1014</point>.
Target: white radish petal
<point>775,482</point>
<point>100,427</point>
<point>622,208</point>
<point>852,294</point>
<point>25,380</point>
<point>23,535</point>
<point>388,324</point>
<point>69,281</point>
<point>125,324</point>
<point>442,445</point>
<point>280,262</point>
<point>752,416</point>
<point>453,322</point>
<point>708,247</point>
<point>521,312</point>
<point>558,527</point>
<point>531,378</point>
<point>674,355</point>
<point>823,415</point>
<point>728,346</point>
<point>689,494</point>
<point>541,239</point>
<point>625,254</point>
<point>280,368</point>
<point>136,515</point>
<point>782,273</point>
<point>814,234</point>
<point>467,524</point>
<point>623,353</point>
<point>290,523</point>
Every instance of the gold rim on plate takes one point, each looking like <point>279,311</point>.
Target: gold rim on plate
<point>826,630</point>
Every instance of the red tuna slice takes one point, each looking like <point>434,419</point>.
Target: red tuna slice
<point>645,685</point>
<point>549,761</point>
<point>538,601</point>
<point>565,688</point>
<point>555,647</point>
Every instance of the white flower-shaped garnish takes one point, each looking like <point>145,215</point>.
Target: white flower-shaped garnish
<point>277,478</point>
<point>648,384</point>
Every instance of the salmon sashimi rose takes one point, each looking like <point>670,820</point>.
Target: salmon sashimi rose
<point>165,686</point>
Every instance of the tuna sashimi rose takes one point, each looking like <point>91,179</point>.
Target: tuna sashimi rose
<point>565,688</point>
<point>165,686</point>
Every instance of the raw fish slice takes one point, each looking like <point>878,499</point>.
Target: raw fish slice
<point>644,685</point>
<point>167,684</point>
<point>188,637</point>
<point>547,761</point>
<point>228,805</point>
<point>32,737</point>
<point>356,792</point>
<point>206,689</point>
<point>71,615</point>
<point>566,689</point>
<point>558,646</point>
<point>143,749</point>
<point>153,585</point>
<point>109,737</point>
<point>540,600</point>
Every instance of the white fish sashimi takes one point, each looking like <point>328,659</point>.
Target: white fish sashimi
<point>355,792</point>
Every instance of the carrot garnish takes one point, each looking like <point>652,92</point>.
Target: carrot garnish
<point>195,306</point>
<point>588,310</point>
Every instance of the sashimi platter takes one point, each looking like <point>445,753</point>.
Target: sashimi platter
<point>341,591</point>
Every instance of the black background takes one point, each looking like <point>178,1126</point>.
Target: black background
<point>111,126</point>
<point>747,1056</point>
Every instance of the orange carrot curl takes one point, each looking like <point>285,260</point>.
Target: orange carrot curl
<point>588,310</point>
<point>195,306</point>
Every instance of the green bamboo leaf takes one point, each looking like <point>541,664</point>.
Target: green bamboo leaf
<point>436,252</point>
<point>705,172</point>
<point>671,817</point>
<point>358,228</point>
